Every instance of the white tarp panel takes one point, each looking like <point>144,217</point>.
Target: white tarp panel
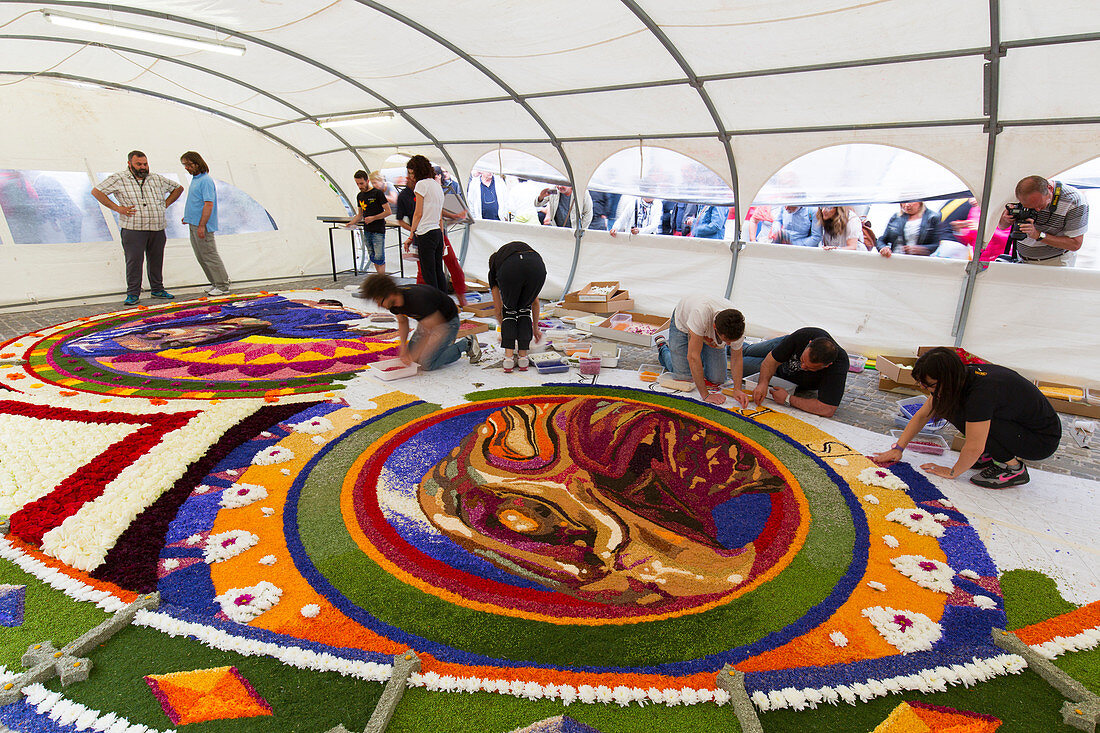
<point>718,36</point>
<point>1022,19</point>
<point>290,190</point>
<point>553,244</point>
<point>657,271</point>
<point>1042,320</point>
<point>870,304</point>
<point>657,110</point>
<point>1056,80</point>
<point>488,121</point>
<point>920,90</point>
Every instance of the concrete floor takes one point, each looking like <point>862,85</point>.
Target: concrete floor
<point>864,405</point>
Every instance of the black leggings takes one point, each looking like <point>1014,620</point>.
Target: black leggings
<point>429,245</point>
<point>1008,440</point>
<point>520,279</point>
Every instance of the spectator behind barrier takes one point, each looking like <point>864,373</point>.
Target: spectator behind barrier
<point>638,215</point>
<point>1049,222</point>
<point>840,228</point>
<point>797,225</point>
<point>915,230</point>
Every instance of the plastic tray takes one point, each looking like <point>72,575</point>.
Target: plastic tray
<point>589,365</point>
<point>386,370</point>
<point>551,367</point>
<point>572,348</point>
<point>609,354</point>
<point>856,363</point>
<point>929,443</point>
<point>650,372</point>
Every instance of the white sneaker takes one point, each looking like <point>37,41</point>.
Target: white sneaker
<point>215,292</point>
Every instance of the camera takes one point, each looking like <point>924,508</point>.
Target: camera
<point>1019,213</point>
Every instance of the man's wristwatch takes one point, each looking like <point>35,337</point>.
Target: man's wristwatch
<point>787,401</point>
<point>1041,237</point>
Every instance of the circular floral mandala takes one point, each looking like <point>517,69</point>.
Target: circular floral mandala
<point>243,346</point>
<point>585,536</point>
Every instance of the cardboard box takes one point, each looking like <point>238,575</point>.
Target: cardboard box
<point>614,302</point>
<point>586,294</point>
<point>1079,407</point>
<point>602,309</point>
<point>958,442</point>
<point>896,369</point>
<point>471,328</point>
<point>481,310</point>
<point>604,329</point>
<point>476,285</point>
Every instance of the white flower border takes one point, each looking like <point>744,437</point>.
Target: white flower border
<point>978,670</point>
<point>66,712</point>
<point>923,523</point>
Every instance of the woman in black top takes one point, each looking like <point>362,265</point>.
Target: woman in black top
<point>1005,419</point>
<point>516,276</point>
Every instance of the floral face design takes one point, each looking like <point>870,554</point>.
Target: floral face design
<point>605,500</point>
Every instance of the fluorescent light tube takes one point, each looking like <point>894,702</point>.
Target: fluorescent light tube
<point>117,28</point>
<point>330,122</point>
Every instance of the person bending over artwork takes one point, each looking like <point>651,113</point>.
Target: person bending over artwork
<point>811,359</point>
<point>703,328</point>
<point>1005,418</point>
<point>433,343</point>
<point>516,276</point>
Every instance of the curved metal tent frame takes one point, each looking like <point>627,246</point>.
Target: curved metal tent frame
<point>991,118</point>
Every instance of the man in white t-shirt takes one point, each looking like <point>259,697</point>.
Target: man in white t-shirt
<point>702,330</point>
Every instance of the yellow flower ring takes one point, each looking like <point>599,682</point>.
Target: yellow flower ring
<point>469,584</point>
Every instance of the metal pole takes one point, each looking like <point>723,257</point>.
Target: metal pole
<point>993,127</point>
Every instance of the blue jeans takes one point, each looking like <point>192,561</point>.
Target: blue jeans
<point>753,356</point>
<point>374,248</point>
<point>674,356</point>
<point>446,351</point>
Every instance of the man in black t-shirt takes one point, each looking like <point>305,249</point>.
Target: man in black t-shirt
<point>810,358</point>
<point>373,210</point>
<point>433,343</point>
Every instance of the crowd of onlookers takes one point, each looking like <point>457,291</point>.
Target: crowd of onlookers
<point>921,228</point>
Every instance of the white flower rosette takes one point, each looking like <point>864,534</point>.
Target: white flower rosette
<point>931,574</point>
<point>917,520</point>
<point>883,478</point>
<point>244,604</point>
<point>225,545</point>
<point>240,495</point>
<point>271,455</point>
<point>314,425</point>
<point>908,631</point>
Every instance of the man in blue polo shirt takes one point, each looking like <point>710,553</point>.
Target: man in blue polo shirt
<point>200,213</point>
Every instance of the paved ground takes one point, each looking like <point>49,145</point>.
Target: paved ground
<point>864,405</point>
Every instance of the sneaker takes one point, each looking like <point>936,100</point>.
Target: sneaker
<point>474,351</point>
<point>215,292</point>
<point>163,295</point>
<point>983,462</point>
<point>509,364</point>
<point>130,300</point>
<point>1001,476</point>
<point>522,363</point>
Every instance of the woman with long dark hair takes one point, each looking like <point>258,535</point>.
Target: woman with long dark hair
<point>1005,418</point>
<point>426,221</point>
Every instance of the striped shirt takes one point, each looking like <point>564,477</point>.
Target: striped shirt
<point>1069,218</point>
<point>147,197</point>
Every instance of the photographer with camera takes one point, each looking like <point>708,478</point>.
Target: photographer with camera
<point>1048,223</point>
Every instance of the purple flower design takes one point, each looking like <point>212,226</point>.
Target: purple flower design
<point>903,621</point>
<point>244,599</point>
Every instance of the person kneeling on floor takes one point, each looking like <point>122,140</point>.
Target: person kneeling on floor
<point>1005,419</point>
<point>433,343</point>
<point>809,358</point>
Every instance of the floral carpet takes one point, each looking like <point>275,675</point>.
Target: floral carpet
<point>560,543</point>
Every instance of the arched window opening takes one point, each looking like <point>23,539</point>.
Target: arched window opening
<point>869,198</point>
<point>511,185</point>
<point>649,190</point>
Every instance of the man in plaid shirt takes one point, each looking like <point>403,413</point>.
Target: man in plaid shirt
<point>141,206</point>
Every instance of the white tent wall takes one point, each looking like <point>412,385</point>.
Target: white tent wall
<point>553,244</point>
<point>587,157</point>
<point>1044,321</point>
<point>657,271</point>
<point>91,130</point>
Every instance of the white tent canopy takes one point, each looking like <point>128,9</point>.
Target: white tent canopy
<point>990,90</point>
